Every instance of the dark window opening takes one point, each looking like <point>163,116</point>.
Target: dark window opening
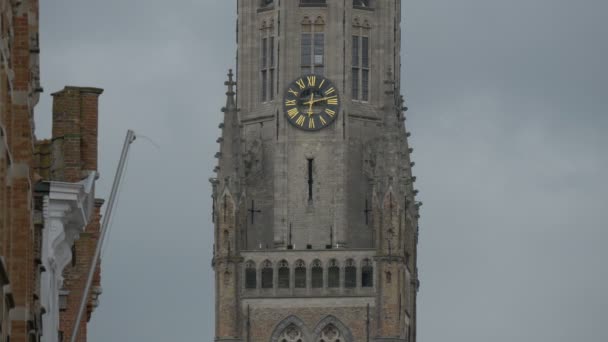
<point>310,180</point>
<point>317,275</point>
<point>250,276</point>
<point>267,3</point>
<point>74,254</point>
<point>367,274</point>
<point>283,275</point>
<point>300,275</point>
<point>333,275</point>
<point>350,274</point>
<point>361,3</point>
<point>267,274</point>
<point>313,2</point>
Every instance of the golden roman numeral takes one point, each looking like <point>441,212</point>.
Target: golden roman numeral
<point>300,120</point>
<point>301,84</point>
<point>322,121</point>
<point>321,84</point>
<point>330,91</point>
<point>311,122</point>
<point>292,112</point>
<point>330,112</point>
<point>312,80</point>
<point>295,93</point>
<point>332,100</point>
<point>290,102</point>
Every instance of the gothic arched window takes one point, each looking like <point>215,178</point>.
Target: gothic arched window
<point>330,334</point>
<point>283,274</point>
<point>300,274</point>
<point>333,274</point>
<point>367,273</point>
<point>267,274</point>
<point>291,334</point>
<point>250,275</point>
<point>350,274</point>
<point>317,274</point>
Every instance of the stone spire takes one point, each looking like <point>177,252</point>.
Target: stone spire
<point>229,169</point>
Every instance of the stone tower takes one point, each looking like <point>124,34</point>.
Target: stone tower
<point>316,221</point>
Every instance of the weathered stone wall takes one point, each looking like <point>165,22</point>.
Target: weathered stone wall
<point>363,193</point>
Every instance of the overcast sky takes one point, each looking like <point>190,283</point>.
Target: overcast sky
<point>508,113</point>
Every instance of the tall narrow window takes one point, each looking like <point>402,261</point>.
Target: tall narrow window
<point>350,274</point>
<point>364,68</point>
<point>250,275</point>
<point>333,274</point>
<point>283,274</point>
<point>312,46</point>
<point>316,274</point>
<point>267,274</point>
<point>360,61</point>
<point>268,64</point>
<point>271,66</point>
<point>367,273</point>
<point>356,67</point>
<point>300,275</point>
<point>310,180</point>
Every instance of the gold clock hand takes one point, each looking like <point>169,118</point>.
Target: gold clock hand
<point>310,103</point>
<point>324,98</point>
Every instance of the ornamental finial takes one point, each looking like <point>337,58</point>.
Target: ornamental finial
<point>230,103</point>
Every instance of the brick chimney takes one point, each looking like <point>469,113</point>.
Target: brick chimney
<point>75,120</point>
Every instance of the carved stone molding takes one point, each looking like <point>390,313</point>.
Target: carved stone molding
<point>67,209</point>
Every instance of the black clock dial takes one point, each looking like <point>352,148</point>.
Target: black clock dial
<point>311,102</point>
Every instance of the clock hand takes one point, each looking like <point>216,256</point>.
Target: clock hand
<point>311,102</point>
<point>321,99</point>
<point>324,98</point>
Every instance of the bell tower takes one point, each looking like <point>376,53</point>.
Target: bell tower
<point>314,208</point>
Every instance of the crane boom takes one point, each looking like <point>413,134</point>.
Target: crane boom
<point>104,226</point>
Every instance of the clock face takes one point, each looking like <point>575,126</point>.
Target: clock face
<point>311,102</point>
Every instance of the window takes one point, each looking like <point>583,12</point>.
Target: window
<point>360,61</point>
<point>283,274</point>
<point>313,3</point>
<point>312,46</point>
<point>310,180</point>
<point>330,334</point>
<point>367,273</point>
<point>291,334</point>
<point>266,3</point>
<point>267,274</point>
<point>268,64</point>
<point>250,275</point>
<point>333,274</point>
<point>361,3</point>
<point>350,274</point>
<point>317,274</point>
<point>300,275</point>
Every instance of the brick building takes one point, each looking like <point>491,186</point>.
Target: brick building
<point>314,205</point>
<point>49,217</point>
